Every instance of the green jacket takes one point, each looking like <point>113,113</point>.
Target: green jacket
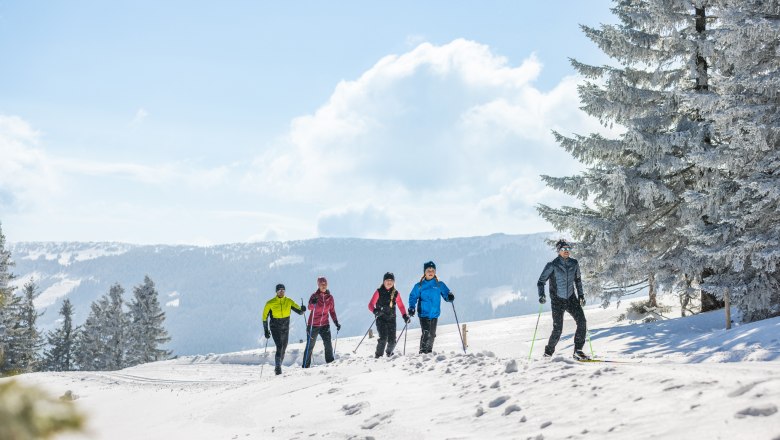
<point>280,308</point>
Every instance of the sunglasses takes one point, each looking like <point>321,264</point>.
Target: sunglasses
<point>565,249</point>
<point>280,290</point>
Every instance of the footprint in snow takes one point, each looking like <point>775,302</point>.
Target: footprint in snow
<point>498,401</point>
<point>354,408</point>
<point>510,409</point>
<point>757,411</point>
<point>511,367</point>
<point>372,422</point>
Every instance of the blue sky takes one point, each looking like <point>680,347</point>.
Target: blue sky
<point>214,122</point>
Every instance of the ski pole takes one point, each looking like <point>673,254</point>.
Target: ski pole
<point>336,344</point>
<point>590,343</point>
<point>405,343</point>
<point>402,333</point>
<point>309,348</point>
<point>364,336</point>
<point>535,328</point>
<point>265,355</point>
<point>458,324</point>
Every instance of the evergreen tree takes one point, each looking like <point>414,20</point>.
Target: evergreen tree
<point>117,328</point>
<point>102,344</point>
<point>59,356</point>
<point>9,304</point>
<point>740,236</point>
<point>630,228</point>
<point>148,332</point>
<point>28,340</point>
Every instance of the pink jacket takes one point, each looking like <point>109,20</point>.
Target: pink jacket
<point>319,312</point>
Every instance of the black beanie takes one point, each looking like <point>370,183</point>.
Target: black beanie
<point>430,264</point>
<point>388,276</point>
<point>279,287</point>
<point>561,244</point>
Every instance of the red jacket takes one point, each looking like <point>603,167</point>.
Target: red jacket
<point>319,312</point>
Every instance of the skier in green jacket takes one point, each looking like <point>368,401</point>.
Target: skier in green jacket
<point>278,309</point>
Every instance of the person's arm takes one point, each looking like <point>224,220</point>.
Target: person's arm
<point>266,311</point>
<point>546,273</point>
<point>295,307</point>
<point>374,299</point>
<point>333,313</point>
<point>578,281</point>
<point>414,296</point>
<point>445,292</point>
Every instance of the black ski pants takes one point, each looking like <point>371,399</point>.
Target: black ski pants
<point>323,331</point>
<point>428,326</point>
<point>573,307</point>
<point>280,331</point>
<point>385,325</point>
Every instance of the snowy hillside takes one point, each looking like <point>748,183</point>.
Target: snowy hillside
<point>213,296</point>
<point>681,378</point>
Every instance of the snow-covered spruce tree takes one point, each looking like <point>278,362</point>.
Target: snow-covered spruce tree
<point>741,236</point>
<point>59,355</point>
<point>148,333</point>
<point>117,327</point>
<point>9,304</point>
<point>629,227</point>
<point>91,340</point>
<point>102,343</point>
<point>27,341</point>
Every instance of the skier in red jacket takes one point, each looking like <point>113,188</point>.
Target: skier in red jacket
<point>321,304</point>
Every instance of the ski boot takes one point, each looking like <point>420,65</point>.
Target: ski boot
<point>278,370</point>
<point>580,356</point>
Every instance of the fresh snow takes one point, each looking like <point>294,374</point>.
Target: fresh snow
<point>682,378</point>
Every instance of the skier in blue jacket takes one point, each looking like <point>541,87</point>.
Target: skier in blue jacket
<point>427,295</point>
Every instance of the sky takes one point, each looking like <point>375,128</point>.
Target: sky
<point>193,122</point>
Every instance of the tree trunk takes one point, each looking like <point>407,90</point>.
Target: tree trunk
<point>653,301</point>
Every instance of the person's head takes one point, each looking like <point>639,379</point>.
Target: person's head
<point>564,248</point>
<point>429,269</point>
<point>280,290</point>
<point>322,284</point>
<point>389,280</point>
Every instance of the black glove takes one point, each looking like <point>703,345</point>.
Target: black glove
<point>313,300</point>
<point>377,312</point>
<point>582,300</point>
<point>303,308</point>
<point>406,318</point>
<point>450,297</point>
<point>338,326</point>
<point>411,311</point>
<point>267,333</point>
<point>542,299</point>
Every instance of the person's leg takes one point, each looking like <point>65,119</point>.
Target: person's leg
<point>276,334</point>
<point>557,306</point>
<point>390,331</point>
<point>425,327</point>
<point>381,327</point>
<point>326,341</point>
<point>310,346</point>
<point>431,335</point>
<point>575,310</point>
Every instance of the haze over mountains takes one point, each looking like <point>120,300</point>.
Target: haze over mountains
<point>213,296</point>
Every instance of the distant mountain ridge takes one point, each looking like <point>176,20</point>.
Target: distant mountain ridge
<point>213,296</point>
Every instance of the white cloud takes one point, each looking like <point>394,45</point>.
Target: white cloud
<point>25,172</point>
<point>452,138</point>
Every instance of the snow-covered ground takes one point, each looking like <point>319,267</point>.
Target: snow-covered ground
<point>679,379</point>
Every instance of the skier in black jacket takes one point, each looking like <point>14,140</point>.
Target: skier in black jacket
<point>382,305</point>
<point>564,275</point>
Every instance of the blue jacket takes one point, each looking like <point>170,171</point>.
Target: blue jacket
<point>564,276</point>
<point>429,294</point>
